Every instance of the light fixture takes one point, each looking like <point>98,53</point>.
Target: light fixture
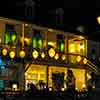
<point>12,54</point>
<point>81,46</point>
<point>78,58</point>
<point>4,51</point>
<point>27,40</point>
<point>25,74</point>
<point>56,56</point>
<point>63,57</point>
<point>26,25</point>
<point>50,30</point>
<point>62,89</point>
<point>14,86</point>
<point>35,54</point>
<point>84,60</point>
<point>43,55</point>
<point>50,89</point>
<point>83,86</point>
<point>51,52</point>
<point>22,53</point>
<point>98,19</point>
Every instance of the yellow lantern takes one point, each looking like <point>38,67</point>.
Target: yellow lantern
<point>22,54</point>
<point>12,54</point>
<point>35,54</point>
<point>51,52</point>
<point>4,52</point>
<point>42,54</point>
<point>63,57</point>
<point>56,56</point>
<point>84,60</point>
<point>98,19</point>
<point>78,58</point>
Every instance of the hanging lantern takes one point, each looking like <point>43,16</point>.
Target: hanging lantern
<point>4,51</point>
<point>78,58</point>
<point>56,56</point>
<point>62,47</point>
<point>63,57</point>
<point>35,54</point>
<point>84,60</point>
<point>12,54</point>
<point>7,38</point>
<point>51,52</point>
<point>43,55</point>
<point>22,54</point>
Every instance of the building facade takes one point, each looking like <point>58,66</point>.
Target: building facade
<point>30,54</point>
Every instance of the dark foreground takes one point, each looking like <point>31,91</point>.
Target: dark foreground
<point>44,95</point>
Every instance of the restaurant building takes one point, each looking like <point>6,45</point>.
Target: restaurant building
<point>31,53</point>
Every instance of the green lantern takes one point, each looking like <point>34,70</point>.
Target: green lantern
<point>40,43</point>
<point>7,38</point>
<point>13,38</point>
<point>34,42</point>
<point>62,47</point>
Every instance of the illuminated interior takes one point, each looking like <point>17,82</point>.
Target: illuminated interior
<point>76,45</point>
<point>80,77</point>
<point>38,72</point>
<point>52,39</point>
<point>35,73</point>
<point>54,69</point>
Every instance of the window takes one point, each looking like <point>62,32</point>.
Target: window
<point>37,41</point>
<point>10,35</point>
<point>60,43</point>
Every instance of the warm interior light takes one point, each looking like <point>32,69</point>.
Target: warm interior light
<point>43,55</point>
<point>83,86</point>
<point>26,74</point>
<point>4,52</point>
<point>51,52</point>
<point>27,41</point>
<point>0,40</point>
<point>72,48</point>
<point>62,89</point>
<point>53,44</point>
<point>22,39</point>
<point>14,86</point>
<point>50,89</point>
<point>98,19</point>
<point>22,54</point>
<point>50,30</point>
<point>26,25</point>
<point>84,60</point>
<point>56,56</point>
<point>63,57</point>
<point>78,58</point>
<point>81,46</point>
<point>12,54</point>
<point>35,54</point>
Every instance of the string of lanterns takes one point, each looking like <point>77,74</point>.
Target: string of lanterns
<point>51,52</point>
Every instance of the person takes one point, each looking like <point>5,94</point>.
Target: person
<point>70,80</point>
<point>91,85</point>
<point>91,81</point>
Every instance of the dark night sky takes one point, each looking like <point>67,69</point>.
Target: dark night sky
<point>76,12</point>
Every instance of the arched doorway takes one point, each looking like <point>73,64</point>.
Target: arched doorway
<point>34,74</point>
